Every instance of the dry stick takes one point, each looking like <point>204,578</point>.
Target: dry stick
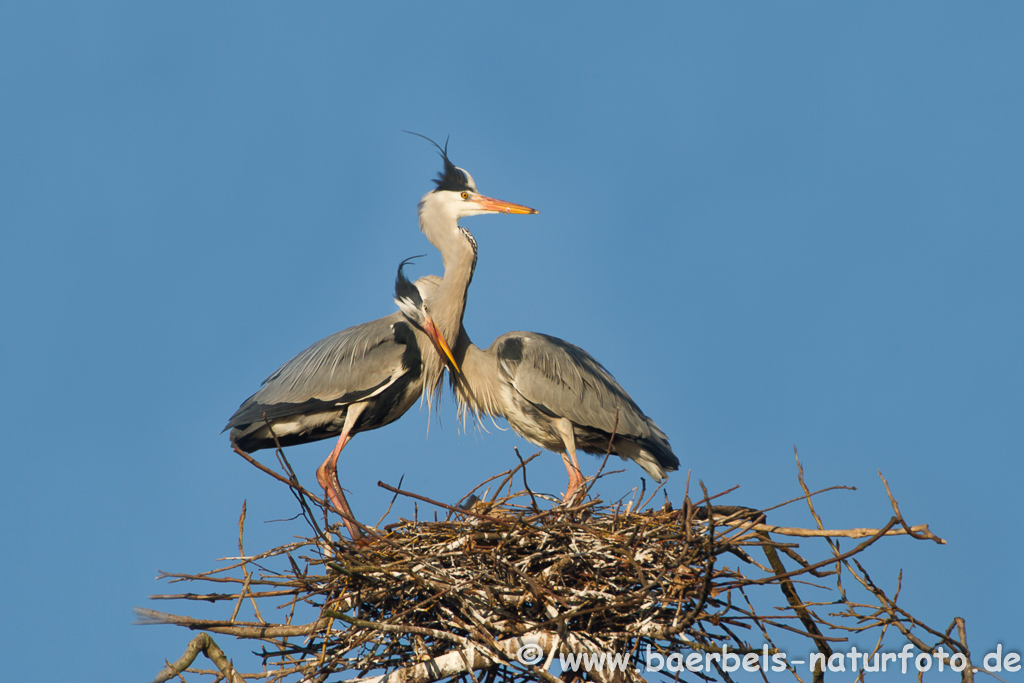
<point>522,465</point>
<point>293,479</point>
<point>919,531</point>
<point>480,631</point>
<point>451,664</point>
<point>892,609</point>
<point>201,643</point>
<point>509,474</point>
<point>889,606</point>
<point>231,628</point>
<point>650,499</point>
<point>709,563</point>
<point>804,497</point>
<point>471,605</point>
<point>217,677</point>
<point>391,504</point>
<point>496,476</point>
<point>561,510</point>
<point>247,586</point>
<point>771,621</point>
<point>256,463</point>
<point>874,651</point>
<point>796,572</point>
<point>757,622</point>
<point>961,628</point>
<point>896,509</point>
<point>439,504</point>
<point>396,628</point>
<point>715,497</point>
<point>217,597</point>
<point>833,545</point>
<point>298,491</point>
<point>280,550</point>
<point>807,491</point>
<point>793,555</point>
<point>789,590</point>
<point>245,568</point>
<point>469,669</point>
<point>490,644</point>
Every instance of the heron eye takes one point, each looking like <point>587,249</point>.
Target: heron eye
<point>465,195</point>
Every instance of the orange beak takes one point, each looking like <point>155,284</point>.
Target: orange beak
<point>439,343</point>
<point>499,206</point>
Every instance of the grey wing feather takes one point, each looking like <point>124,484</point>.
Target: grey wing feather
<point>563,380</point>
<point>331,370</point>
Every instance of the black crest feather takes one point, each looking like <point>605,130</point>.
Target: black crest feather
<point>452,178</point>
<point>404,289</point>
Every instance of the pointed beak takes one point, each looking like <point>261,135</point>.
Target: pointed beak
<point>439,343</point>
<point>500,206</point>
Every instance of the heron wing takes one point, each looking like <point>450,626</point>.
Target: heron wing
<point>345,367</point>
<point>563,380</point>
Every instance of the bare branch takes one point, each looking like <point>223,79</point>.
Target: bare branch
<point>455,599</point>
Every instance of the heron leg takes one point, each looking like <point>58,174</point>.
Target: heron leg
<point>575,477</point>
<point>572,465</point>
<point>327,474</point>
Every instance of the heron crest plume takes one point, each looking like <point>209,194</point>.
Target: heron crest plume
<point>452,177</point>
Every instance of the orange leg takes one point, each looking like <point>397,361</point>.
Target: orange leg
<point>572,466</point>
<point>327,475</point>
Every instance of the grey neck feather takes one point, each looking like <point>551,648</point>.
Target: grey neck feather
<point>448,304</point>
<point>478,386</point>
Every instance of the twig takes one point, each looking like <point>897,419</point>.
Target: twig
<point>202,643</point>
<point>448,599</point>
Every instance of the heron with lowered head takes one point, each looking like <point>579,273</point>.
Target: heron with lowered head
<point>369,375</point>
<point>552,393</point>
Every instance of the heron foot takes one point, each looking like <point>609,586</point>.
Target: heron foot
<point>574,495</point>
<point>575,491</point>
<point>327,476</point>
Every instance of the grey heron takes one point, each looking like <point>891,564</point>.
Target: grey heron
<point>552,393</point>
<point>369,375</point>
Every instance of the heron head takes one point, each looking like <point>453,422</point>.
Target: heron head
<point>413,301</point>
<point>456,195</point>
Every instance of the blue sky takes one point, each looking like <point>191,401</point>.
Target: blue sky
<point>776,225</point>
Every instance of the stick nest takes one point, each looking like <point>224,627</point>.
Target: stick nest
<point>499,586</point>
